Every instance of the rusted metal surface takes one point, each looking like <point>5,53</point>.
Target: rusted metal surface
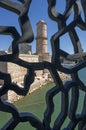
<point>67,110</point>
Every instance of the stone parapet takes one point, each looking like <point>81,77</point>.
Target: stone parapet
<point>17,72</point>
<point>29,58</point>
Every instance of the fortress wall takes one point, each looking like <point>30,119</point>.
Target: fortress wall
<point>12,96</point>
<point>18,72</point>
<point>45,57</point>
<point>32,58</point>
<point>29,58</point>
<point>17,76</point>
<point>3,68</point>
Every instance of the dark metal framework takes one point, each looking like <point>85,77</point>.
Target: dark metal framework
<point>67,110</point>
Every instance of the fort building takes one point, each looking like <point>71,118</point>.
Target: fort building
<point>41,42</point>
<point>18,72</point>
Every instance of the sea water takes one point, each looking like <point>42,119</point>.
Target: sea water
<point>35,103</point>
<point>82,75</point>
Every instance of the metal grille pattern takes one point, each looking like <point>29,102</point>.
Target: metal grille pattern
<point>74,85</point>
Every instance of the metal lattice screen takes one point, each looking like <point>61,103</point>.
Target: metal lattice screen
<point>54,66</point>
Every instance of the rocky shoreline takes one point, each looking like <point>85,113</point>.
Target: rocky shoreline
<point>64,77</point>
<point>38,83</point>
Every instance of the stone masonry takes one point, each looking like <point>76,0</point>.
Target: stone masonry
<point>18,72</point>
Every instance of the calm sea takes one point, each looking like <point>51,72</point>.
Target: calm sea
<point>35,103</point>
<point>82,75</point>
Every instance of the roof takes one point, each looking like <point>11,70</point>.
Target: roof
<point>41,21</point>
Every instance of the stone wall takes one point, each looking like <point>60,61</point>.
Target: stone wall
<point>45,57</point>
<point>18,73</point>
<point>29,58</point>
<point>13,97</point>
<point>3,68</point>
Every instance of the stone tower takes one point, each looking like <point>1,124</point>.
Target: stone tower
<point>41,38</point>
<point>42,42</point>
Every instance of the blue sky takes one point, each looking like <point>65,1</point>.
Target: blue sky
<point>38,11</point>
